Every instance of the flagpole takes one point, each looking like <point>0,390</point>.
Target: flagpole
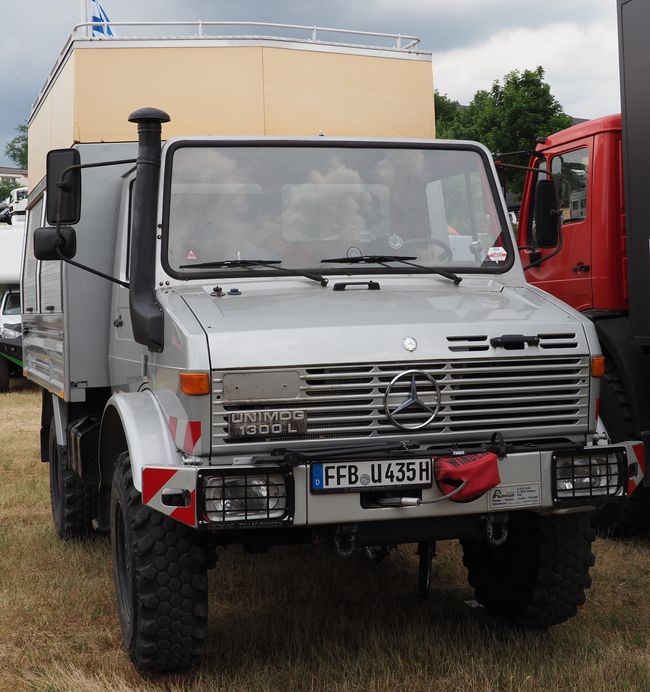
<point>84,14</point>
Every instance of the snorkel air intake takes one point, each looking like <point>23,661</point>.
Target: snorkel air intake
<point>146,314</point>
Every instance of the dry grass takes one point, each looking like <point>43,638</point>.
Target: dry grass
<point>297,618</point>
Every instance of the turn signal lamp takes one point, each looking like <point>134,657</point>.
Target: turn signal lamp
<point>194,383</point>
<point>598,366</point>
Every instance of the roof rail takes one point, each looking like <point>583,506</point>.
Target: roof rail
<point>202,29</point>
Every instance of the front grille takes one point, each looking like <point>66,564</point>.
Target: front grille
<point>517,396</point>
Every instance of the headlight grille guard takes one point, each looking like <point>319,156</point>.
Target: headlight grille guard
<point>608,466</point>
<point>254,473</point>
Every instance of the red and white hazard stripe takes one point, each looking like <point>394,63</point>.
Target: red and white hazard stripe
<point>157,479</point>
<point>634,481</point>
<point>185,433</point>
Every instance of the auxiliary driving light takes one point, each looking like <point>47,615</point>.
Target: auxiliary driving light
<point>246,497</point>
<point>589,474</point>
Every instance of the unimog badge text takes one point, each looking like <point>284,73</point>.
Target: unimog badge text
<point>265,423</point>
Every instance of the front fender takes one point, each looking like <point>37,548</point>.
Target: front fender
<point>145,433</point>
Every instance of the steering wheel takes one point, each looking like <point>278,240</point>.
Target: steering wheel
<point>447,253</point>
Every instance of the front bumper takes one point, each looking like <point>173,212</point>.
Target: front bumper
<point>528,481</point>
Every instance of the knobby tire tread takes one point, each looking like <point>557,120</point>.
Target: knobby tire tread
<point>77,498</point>
<point>631,516</point>
<point>538,581</point>
<point>170,590</point>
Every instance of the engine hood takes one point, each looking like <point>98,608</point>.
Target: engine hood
<point>290,323</point>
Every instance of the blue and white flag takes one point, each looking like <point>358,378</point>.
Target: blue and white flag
<point>98,14</point>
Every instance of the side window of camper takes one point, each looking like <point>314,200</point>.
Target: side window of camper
<point>30,263</point>
<point>570,172</point>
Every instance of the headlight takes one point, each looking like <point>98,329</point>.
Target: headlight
<point>248,497</point>
<point>585,475</point>
<point>8,333</point>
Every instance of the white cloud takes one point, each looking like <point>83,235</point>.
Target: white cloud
<point>581,64</point>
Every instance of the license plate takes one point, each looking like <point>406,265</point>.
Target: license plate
<point>356,476</point>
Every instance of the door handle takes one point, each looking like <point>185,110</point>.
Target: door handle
<point>117,322</point>
<point>581,268</point>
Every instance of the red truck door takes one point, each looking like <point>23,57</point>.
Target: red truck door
<point>567,274</point>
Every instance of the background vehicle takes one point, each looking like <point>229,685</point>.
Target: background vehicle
<point>600,268</point>
<point>288,339</point>
<point>14,205</point>
<point>10,335</point>
<point>11,248</point>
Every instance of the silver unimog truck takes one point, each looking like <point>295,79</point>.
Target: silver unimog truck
<point>264,340</point>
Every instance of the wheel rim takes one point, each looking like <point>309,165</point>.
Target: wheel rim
<point>123,571</point>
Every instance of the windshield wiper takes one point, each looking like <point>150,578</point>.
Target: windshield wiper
<point>383,259</point>
<point>250,263</point>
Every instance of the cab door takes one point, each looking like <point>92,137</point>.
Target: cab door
<point>567,273</point>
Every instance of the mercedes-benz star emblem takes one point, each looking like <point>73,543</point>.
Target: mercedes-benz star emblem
<point>412,402</point>
<point>410,344</point>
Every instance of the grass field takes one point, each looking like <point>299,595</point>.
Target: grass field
<point>297,618</point>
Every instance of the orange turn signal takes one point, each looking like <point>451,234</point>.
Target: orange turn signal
<point>598,366</point>
<point>194,383</point>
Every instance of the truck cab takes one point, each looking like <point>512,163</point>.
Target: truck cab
<point>589,273</point>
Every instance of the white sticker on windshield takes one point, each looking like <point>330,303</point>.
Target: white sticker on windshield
<point>497,254</point>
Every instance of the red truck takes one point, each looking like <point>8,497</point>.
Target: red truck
<point>600,264</point>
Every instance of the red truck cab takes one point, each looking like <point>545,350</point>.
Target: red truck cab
<point>590,270</point>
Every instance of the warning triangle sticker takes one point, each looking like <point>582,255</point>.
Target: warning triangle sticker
<point>191,255</point>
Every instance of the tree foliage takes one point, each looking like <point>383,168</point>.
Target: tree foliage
<point>7,184</point>
<point>508,117</point>
<point>16,149</point>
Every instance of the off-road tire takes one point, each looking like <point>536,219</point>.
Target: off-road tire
<point>160,573</point>
<point>4,374</point>
<point>74,501</point>
<point>539,576</point>
<point>630,516</point>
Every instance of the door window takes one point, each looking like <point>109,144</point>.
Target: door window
<point>570,173</point>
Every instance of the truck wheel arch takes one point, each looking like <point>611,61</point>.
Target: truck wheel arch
<point>134,423</point>
<point>615,335</point>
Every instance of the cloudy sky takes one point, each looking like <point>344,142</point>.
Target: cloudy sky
<point>473,41</point>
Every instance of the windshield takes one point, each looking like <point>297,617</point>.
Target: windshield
<point>302,204</point>
<point>12,304</point>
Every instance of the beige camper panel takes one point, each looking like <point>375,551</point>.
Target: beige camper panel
<point>230,88</point>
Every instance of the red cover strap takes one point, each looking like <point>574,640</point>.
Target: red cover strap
<point>479,472</point>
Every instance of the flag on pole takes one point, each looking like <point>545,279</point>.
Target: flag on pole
<point>98,14</point>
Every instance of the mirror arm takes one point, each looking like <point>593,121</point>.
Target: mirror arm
<point>541,260</point>
<point>500,164</point>
<point>90,270</point>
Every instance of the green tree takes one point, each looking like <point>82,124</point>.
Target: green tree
<point>446,111</point>
<point>16,149</point>
<point>508,117</point>
<point>7,184</point>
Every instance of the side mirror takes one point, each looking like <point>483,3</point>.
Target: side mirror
<point>47,241</point>
<point>547,214</point>
<point>63,186</point>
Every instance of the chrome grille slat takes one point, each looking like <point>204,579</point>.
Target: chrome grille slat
<point>531,394</point>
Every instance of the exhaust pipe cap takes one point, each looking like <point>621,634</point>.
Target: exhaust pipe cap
<point>149,115</point>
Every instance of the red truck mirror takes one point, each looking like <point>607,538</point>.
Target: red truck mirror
<point>63,186</point>
<point>547,214</point>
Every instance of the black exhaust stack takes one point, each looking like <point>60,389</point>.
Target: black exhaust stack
<point>146,313</point>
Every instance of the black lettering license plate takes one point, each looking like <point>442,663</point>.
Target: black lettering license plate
<point>356,476</point>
